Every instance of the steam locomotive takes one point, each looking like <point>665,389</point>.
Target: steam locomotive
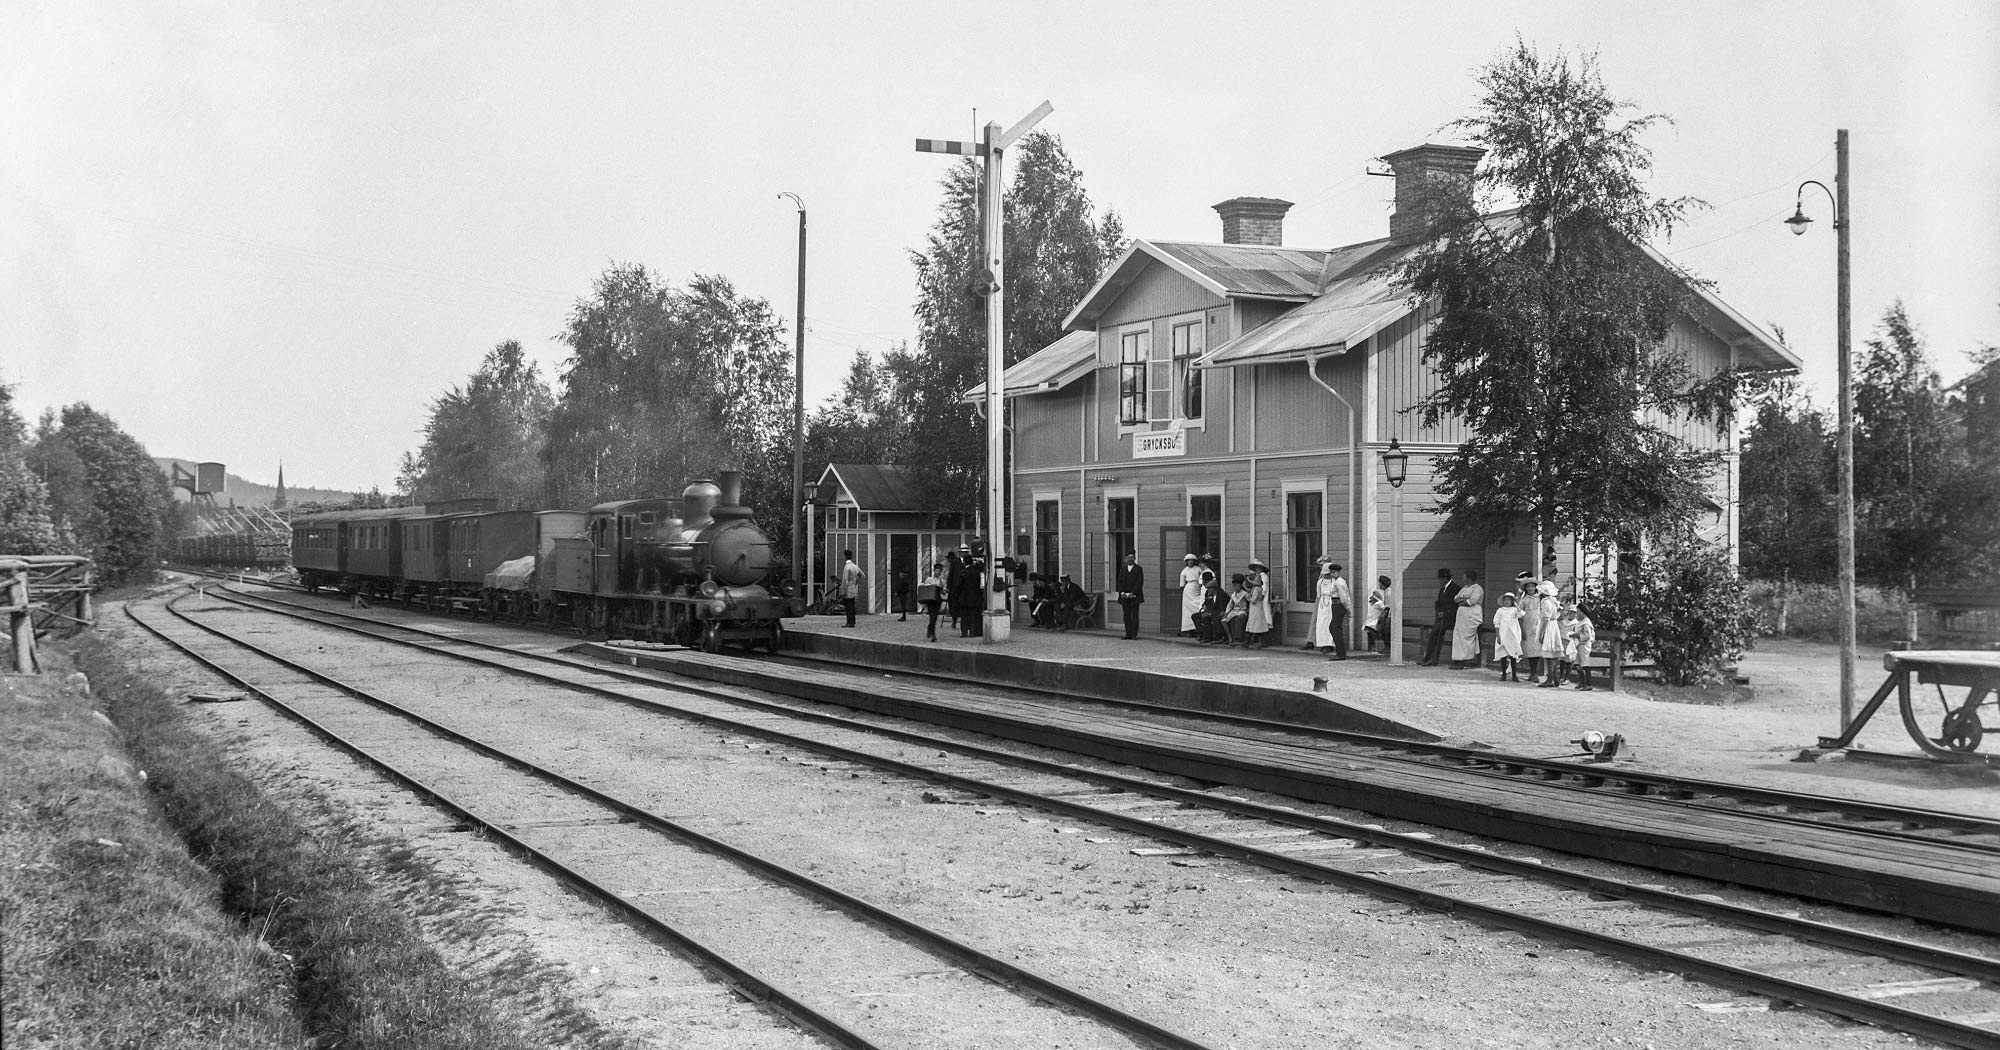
<point>695,570</point>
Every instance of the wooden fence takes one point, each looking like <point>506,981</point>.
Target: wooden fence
<point>40,593</point>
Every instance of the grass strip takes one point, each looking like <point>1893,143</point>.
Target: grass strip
<point>349,910</point>
<point>113,934</point>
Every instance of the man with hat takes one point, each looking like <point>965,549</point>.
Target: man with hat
<point>1131,592</point>
<point>1446,608</point>
<point>1191,591</point>
<point>968,595</point>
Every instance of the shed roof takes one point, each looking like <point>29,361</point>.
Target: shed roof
<point>1053,367</point>
<point>874,487</point>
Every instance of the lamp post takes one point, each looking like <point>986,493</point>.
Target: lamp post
<point>1843,226</point>
<point>799,407</point>
<point>1396,469</point>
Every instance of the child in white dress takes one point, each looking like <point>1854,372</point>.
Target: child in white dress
<point>1507,639</point>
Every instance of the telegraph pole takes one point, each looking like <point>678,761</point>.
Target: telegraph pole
<point>800,569</point>
<point>993,144</point>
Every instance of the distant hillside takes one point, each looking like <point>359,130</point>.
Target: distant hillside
<point>249,493</point>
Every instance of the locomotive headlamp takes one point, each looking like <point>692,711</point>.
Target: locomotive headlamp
<point>718,607</point>
<point>710,588</point>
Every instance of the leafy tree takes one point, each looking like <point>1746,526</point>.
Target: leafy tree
<point>865,422</point>
<point>666,385</point>
<point>1788,510</point>
<point>486,438</point>
<point>1550,320</point>
<point>1054,252</point>
<point>1903,457</point>
<point>104,489</point>
<point>1972,495</point>
<point>26,526</point>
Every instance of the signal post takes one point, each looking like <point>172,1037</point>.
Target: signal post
<point>991,285</point>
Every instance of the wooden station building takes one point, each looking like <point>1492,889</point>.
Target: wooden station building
<point>1234,400</point>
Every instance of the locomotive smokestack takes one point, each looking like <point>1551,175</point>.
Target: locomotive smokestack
<point>731,507</point>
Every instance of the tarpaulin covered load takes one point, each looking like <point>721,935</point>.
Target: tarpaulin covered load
<point>512,575</point>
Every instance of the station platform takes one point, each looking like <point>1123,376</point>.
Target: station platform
<point>1743,734</point>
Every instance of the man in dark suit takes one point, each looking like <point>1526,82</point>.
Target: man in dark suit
<point>1447,617</point>
<point>1131,593</point>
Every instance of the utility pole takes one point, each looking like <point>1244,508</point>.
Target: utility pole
<point>1844,226</point>
<point>994,143</point>
<point>800,569</point>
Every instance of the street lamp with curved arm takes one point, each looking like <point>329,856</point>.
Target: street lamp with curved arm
<point>1800,219</point>
<point>1844,439</point>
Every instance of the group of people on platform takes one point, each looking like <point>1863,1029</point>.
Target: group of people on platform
<point>1533,627</point>
<point>1333,604</point>
<point>1234,614</point>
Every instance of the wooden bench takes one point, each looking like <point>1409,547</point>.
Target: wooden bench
<point>1607,654</point>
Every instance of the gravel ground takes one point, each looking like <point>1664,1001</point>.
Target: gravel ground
<point>1235,954</point>
<point>1746,735</point>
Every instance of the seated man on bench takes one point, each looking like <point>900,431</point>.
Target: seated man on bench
<point>1072,605</point>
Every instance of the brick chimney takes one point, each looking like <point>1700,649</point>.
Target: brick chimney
<point>1253,220</point>
<point>1426,169</point>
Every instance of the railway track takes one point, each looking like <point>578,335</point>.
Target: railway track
<point>1896,982</point>
<point>1674,793</point>
<point>1886,822</point>
<point>610,848</point>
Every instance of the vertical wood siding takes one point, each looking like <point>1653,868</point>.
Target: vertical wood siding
<point>1048,428</point>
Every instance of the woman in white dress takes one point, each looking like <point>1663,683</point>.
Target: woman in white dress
<point>1321,635</point>
<point>1258,582</point>
<point>1552,635</point>
<point>1192,592</point>
<point>1465,632</point>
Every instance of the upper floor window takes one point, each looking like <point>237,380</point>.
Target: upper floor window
<point>1187,346</point>
<point>1134,349</point>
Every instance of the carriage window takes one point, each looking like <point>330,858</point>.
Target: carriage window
<point>646,517</point>
<point>624,526</point>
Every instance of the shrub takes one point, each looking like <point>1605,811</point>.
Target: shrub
<point>1685,610</point>
<point>1811,611</point>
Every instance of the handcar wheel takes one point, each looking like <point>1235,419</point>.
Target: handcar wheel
<point>711,638</point>
<point>1962,731</point>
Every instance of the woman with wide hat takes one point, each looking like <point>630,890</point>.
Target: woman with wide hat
<point>1258,582</point>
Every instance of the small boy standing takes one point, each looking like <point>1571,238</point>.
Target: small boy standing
<point>1583,634</point>
<point>1507,639</point>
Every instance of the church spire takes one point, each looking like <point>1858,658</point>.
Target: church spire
<point>278,501</point>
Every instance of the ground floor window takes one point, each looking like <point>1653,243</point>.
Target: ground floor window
<point>1205,528</point>
<point>1304,517</point>
<point>1048,537</point>
<point>1121,529</point>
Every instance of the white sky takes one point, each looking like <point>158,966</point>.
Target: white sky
<point>254,231</point>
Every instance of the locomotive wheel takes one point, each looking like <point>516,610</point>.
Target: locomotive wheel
<point>776,639</point>
<point>711,637</point>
